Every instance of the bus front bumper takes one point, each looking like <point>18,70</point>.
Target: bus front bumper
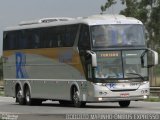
<point>116,99</point>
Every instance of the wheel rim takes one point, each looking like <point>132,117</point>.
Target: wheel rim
<point>76,97</point>
<point>19,94</point>
<point>27,96</point>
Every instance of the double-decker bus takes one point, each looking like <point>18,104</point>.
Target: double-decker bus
<point>101,58</point>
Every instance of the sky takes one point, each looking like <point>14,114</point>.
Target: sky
<point>12,12</point>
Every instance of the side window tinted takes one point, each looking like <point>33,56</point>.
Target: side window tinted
<point>70,35</point>
<point>49,37</point>
<point>84,38</point>
<point>61,36</point>
<point>10,40</point>
<point>30,39</point>
<point>23,42</point>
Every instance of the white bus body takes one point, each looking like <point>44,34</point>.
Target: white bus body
<point>101,58</point>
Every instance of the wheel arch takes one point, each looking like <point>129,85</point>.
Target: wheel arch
<point>27,86</point>
<point>73,86</point>
<point>17,85</point>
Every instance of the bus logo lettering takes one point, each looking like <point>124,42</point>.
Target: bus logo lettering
<point>112,85</point>
<point>20,65</point>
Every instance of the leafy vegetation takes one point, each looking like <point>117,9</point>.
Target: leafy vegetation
<point>1,84</point>
<point>1,93</point>
<point>152,99</point>
<point>1,75</point>
<point>107,5</point>
<point>1,71</point>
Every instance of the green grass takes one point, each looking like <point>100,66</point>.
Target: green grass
<point>1,84</point>
<point>1,93</point>
<point>153,99</point>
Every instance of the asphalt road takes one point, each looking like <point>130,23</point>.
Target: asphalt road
<point>53,110</point>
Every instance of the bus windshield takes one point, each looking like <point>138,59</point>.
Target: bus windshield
<point>120,64</point>
<point>117,35</point>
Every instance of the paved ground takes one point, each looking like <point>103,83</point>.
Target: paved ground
<point>53,110</point>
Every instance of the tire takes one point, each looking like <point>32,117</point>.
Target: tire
<point>28,99</point>
<point>65,103</point>
<point>19,96</point>
<point>76,99</point>
<point>124,103</point>
<point>36,102</point>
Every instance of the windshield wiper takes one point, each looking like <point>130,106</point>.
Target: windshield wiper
<point>137,75</point>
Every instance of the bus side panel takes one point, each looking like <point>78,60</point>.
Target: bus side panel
<point>48,71</point>
<point>50,89</point>
<point>9,88</point>
<point>8,74</point>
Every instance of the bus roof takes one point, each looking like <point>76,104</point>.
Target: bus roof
<point>91,20</point>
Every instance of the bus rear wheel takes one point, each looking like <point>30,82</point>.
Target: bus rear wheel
<point>124,103</point>
<point>19,98</point>
<point>76,99</point>
<point>28,97</point>
<point>29,100</point>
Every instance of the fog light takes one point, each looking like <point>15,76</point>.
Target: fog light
<point>145,97</point>
<point>100,99</point>
<point>142,91</point>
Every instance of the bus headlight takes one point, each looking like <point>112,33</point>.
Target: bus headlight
<point>99,99</point>
<point>100,84</point>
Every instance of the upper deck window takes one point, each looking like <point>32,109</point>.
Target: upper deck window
<point>117,35</point>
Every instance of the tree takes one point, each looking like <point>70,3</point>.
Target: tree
<point>107,5</point>
<point>1,71</point>
<point>148,11</point>
<point>154,25</point>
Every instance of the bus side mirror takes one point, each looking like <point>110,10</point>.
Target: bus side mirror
<point>155,58</point>
<point>152,57</point>
<point>93,58</point>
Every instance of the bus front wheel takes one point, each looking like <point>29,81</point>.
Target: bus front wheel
<point>76,99</point>
<point>124,103</point>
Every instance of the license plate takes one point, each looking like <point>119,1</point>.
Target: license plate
<point>124,94</point>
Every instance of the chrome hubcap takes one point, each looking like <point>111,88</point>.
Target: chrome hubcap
<point>27,97</point>
<point>75,97</point>
<point>19,94</point>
